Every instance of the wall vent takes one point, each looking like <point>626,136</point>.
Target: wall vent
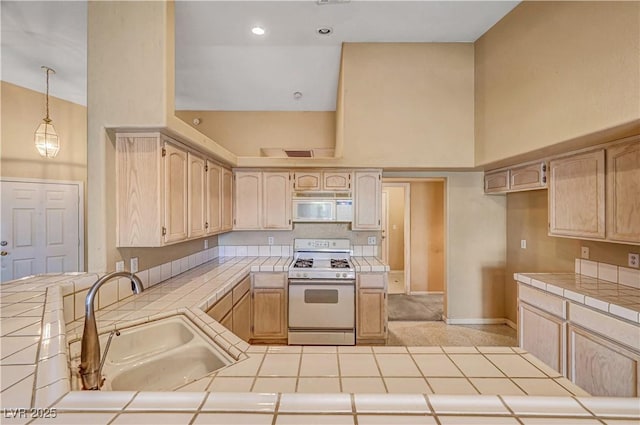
<point>299,154</point>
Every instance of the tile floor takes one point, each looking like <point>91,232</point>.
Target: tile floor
<point>427,370</point>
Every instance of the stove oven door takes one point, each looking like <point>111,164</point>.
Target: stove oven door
<point>321,304</point>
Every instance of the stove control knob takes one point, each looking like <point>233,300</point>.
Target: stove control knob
<point>304,275</point>
<point>344,275</point>
<point>337,274</point>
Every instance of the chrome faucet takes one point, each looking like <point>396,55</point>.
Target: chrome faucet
<point>91,366</point>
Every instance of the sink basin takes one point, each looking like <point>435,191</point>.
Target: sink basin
<point>159,356</point>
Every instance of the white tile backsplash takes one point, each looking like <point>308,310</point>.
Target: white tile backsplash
<point>629,277</point>
<point>264,251</point>
<point>253,251</point>
<point>589,268</point>
<point>608,272</point>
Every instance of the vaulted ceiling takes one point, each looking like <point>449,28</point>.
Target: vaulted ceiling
<point>221,64</point>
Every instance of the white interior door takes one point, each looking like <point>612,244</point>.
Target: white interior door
<point>41,227</point>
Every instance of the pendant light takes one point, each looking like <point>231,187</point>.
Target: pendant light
<point>46,138</point>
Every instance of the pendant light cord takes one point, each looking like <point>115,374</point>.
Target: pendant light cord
<point>48,70</point>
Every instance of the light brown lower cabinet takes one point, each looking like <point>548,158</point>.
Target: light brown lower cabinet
<point>269,307</point>
<point>233,311</point>
<point>242,317</point>
<point>543,335</point>
<point>600,366</point>
<point>371,308</point>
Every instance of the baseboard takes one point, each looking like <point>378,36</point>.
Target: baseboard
<point>426,293</point>
<point>510,324</point>
<point>479,321</point>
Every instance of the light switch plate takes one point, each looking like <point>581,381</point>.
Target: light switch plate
<point>371,240</point>
<point>634,260</point>
<point>134,265</point>
<point>270,240</point>
<point>120,266</point>
<point>206,244</point>
<point>523,243</point>
<point>584,252</point>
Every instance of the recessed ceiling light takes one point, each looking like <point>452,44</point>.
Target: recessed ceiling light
<point>257,30</point>
<point>325,30</point>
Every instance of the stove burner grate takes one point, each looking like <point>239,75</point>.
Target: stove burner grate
<point>303,263</point>
<point>339,264</point>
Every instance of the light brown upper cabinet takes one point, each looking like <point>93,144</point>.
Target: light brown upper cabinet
<point>262,200</point>
<point>227,200</point>
<point>175,193</point>
<point>248,200</point>
<point>367,199</point>
<point>197,205</point>
<point>276,202</point>
<point>162,191</point>
<point>214,198</point>
<point>576,195</point>
<point>496,181</point>
<point>522,177</point>
<point>623,192</point>
<point>322,180</point>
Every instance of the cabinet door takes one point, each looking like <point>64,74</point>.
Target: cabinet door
<point>532,176</point>
<point>276,213</point>
<point>543,335</point>
<point>175,193</point>
<point>307,180</point>
<point>496,182</point>
<point>371,314</point>
<point>242,318</point>
<point>227,200</point>
<point>601,367</point>
<point>367,200</point>
<point>197,210</point>
<point>336,181</point>
<point>576,195</point>
<point>269,313</point>
<point>248,200</point>
<point>214,198</point>
<point>623,192</point>
<point>227,321</point>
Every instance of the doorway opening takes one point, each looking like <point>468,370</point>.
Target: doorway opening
<point>413,244</point>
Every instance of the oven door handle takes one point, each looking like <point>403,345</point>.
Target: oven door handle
<point>315,282</point>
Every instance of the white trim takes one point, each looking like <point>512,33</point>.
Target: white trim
<point>80,184</point>
<point>478,321</point>
<point>426,293</point>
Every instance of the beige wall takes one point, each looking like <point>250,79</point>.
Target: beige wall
<point>395,236</point>
<point>22,111</point>
<point>427,236</point>
<point>527,219</point>
<point>476,251</point>
<point>550,72</point>
<point>245,133</point>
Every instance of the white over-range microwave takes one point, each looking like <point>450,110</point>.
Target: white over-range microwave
<point>309,209</point>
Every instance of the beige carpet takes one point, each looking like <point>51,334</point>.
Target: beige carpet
<point>421,307</point>
<point>439,333</point>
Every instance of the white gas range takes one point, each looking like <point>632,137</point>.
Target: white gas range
<point>322,293</point>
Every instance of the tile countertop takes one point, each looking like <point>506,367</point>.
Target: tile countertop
<point>618,300</point>
<point>36,329</point>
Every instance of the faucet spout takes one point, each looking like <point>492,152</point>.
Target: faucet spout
<point>90,369</point>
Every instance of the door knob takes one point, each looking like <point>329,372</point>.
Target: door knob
<point>3,253</point>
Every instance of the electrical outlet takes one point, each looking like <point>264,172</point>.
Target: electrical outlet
<point>206,244</point>
<point>134,265</point>
<point>584,252</point>
<point>120,266</point>
<point>270,240</point>
<point>371,240</point>
<point>634,260</point>
<point>523,243</point>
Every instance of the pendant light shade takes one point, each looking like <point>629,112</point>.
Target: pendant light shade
<point>46,138</point>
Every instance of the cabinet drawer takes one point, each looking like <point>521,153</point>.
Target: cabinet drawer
<point>496,182</point>
<point>241,289</point>
<point>371,280</point>
<point>269,280</point>
<point>221,308</point>
<point>546,302</point>
<point>614,329</point>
